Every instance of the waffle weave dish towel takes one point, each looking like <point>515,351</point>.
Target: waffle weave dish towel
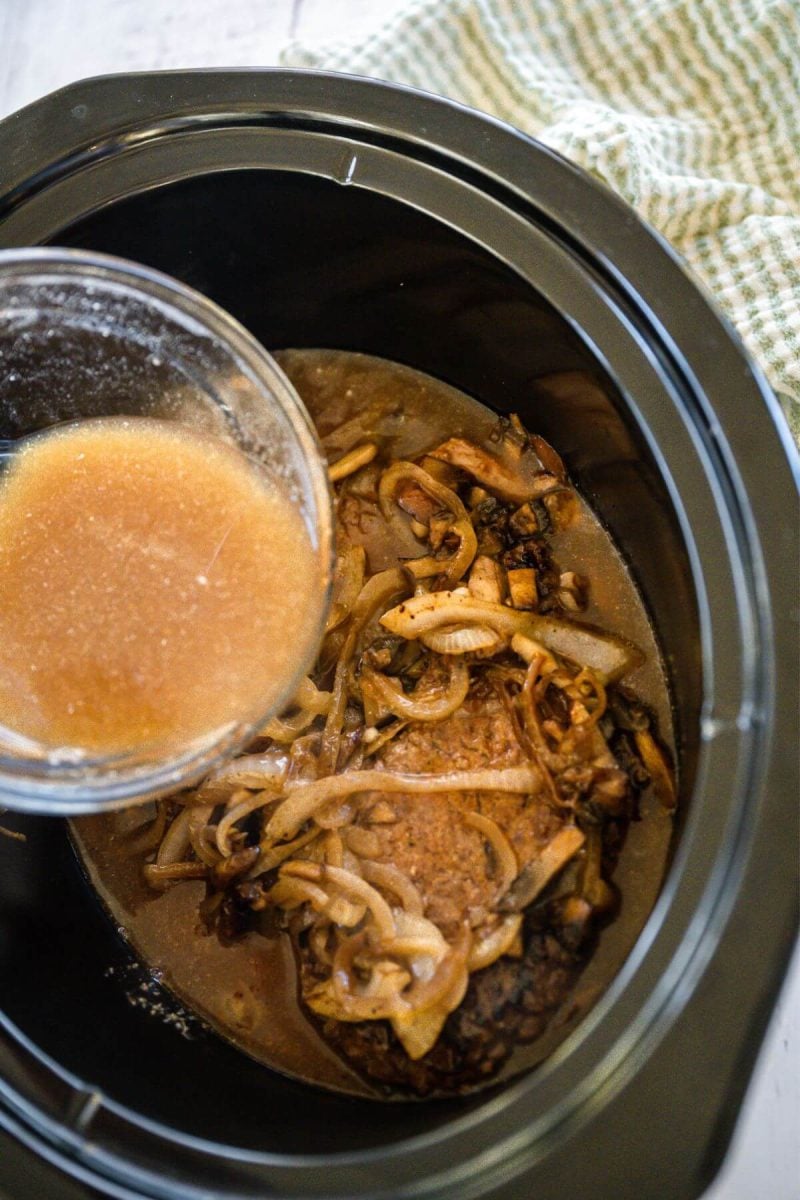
<point>690,109</point>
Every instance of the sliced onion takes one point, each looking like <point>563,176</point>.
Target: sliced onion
<point>310,701</point>
<point>377,592</point>
<point>426,613</point>
<point>503,850</point>
<point>289,892</point>
<point>333,848</point>
<point>493,945</point>
<point>423,568</point>
<point>419,1032</point>
<point>434,706</point>
<point>363,842</point>
<point>237,812</point>
<point>367,1007</point>
<point>348,580</point>
<point>345,913</point>
<point>427,993</point>
<point>176,841</point>
<point>148,836</point>
<point>462,639</point>
<point>535,875</point>
<point>352,461</point>
<point>420,941</point>
<point>498,477</point>
<point>528,650</point>
<point>267,770</point>
<point>453,568</point>
<point>390,879</point>
<point>351,885</point>
<point>303,799</point>
<point>401,470</point>
<point>384,737</point>
<point>334,816</point>
<point>272,856</point>
<point>609,657</point>
<point>382,996</point>
<point>161,875</point>
<point>199,818</point>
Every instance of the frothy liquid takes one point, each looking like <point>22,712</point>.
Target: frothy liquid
<point>153,587</point>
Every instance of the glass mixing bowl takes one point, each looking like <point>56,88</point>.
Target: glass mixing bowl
<point>88,335</point>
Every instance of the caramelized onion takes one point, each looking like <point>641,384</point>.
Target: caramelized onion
<point>463,639</point>
<point>303,799</point>
<point>176,841</point>
<point>348,580</point>
<point>351,885</point>
<point>145,838</point>
<point>199,831</point>
<point>453,568</point>
<point>272,856</point>
<point>289,892</point>
<point>426,993</point>
<point>267,770</point>
<point>608,656</point>
<point>362,842</point>
<point>345,913</point>
<point>503,850</point>
<point>159,875</point>
<point>400,471</point>
<point>310,702</point>
<point>434,706</point>
<point>418,1032</point>
<point>376,593</point>
<point>237,812</point>
<point>384,737</point>
<point>333,848</point>
<point>493,945</point>
<point>535,875</point>
<point>423,568</point>
<point>390,879</point>
<point>352,461</point>
<point>382,996</point>
<point>507,482</point>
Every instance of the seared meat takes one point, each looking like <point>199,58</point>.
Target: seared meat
<point>507,1004</point>
<point>510,1001</point>
<point>446,859</point>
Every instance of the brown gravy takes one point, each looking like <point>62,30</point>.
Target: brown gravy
<point>188,554</point>
<point>247,991</point>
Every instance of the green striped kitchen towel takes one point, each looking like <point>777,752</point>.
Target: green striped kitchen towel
<point>690,109</point>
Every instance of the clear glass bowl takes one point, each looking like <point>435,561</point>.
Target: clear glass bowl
<point>87,335</point>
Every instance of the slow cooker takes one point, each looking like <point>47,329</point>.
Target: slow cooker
<point>328,211</point>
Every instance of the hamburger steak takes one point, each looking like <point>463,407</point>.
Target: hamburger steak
<point>437,826</point>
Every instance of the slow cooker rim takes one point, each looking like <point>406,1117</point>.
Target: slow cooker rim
<point>516,136</point>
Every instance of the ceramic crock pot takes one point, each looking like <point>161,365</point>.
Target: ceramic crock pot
<point>328,211</point>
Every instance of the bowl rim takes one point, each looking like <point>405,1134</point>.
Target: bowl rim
<point>64,786</point>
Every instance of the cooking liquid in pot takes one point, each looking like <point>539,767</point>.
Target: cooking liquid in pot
<point>185,551</point>
<point>248,990</point>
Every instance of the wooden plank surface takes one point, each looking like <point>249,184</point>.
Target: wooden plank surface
<point>45,44</point>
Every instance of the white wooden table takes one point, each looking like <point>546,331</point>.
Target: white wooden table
<point>47,43</point>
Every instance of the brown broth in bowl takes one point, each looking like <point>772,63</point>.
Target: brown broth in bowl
<point>248,990</point>
<point>144,568</point>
